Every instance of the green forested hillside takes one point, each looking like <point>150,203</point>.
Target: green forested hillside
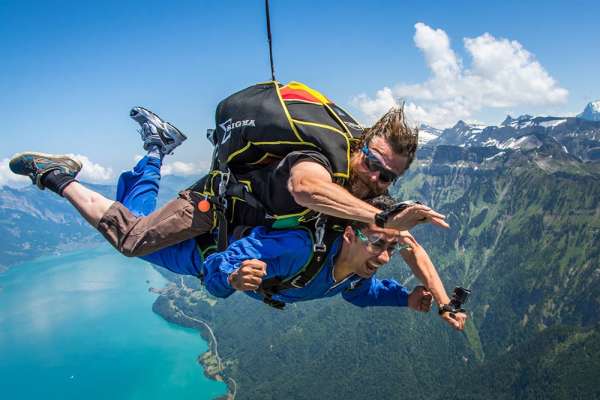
<point>525,237</point>
<point>525,234</point>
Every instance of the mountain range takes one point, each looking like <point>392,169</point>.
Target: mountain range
<point>579,135</point>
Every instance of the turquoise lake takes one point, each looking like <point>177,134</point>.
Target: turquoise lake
<point>81,326</point>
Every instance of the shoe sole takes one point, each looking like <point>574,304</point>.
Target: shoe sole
<point>168,133</point>
<point>151,117</point>
<point>180,135</point>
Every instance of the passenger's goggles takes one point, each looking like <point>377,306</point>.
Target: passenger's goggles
<point>377,243</point>
<point>374,164</point>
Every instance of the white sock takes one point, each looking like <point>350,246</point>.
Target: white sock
<point>154,151</point>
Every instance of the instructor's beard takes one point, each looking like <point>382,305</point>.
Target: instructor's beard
<point>364,189</point>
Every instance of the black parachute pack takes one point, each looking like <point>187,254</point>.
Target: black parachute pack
<point>260,125</point>
<point>269,120</point>
<point>256,127</point>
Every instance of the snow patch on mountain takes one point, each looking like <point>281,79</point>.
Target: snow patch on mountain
<point>552,123</point>
<point>428,133</point>
<point>524,143</point>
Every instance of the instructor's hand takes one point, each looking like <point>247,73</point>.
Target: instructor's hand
<point>417,214</point>
<point>248,276</point>
<point>420,299</point>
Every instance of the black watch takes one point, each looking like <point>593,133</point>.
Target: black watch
<point>446,308</point>
<point>381,218</point>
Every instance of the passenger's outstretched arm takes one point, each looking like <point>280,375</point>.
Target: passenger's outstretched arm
<point>419,262</point>
<point>388,292</point>
<point>421,266</point>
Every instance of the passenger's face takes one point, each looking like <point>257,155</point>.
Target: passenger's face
<point>366,178</point>
<point>370,248</point>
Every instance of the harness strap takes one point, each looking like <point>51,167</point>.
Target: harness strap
<point>301,279</point>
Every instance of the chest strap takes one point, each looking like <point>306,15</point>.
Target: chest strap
<point>325,235</point>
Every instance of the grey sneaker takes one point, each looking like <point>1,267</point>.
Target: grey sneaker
<point>35,165</point>
<point>155,131</point>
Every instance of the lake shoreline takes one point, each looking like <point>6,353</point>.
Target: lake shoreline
<point>210,361</point>
<point>56,301</point>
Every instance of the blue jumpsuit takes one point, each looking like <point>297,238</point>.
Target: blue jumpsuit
<point>284,251</point>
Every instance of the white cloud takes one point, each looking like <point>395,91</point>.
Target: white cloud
<point>96,173</point>
<point>92,172</point>
<point>183,168</point>
<point>373,108</point>
<point>179,167</point>
<point>502,74</point>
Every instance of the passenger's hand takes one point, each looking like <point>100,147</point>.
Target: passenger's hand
<point>416,214</point>
<point>455,320</point>
<point>248,276</point>
<point>420,299</point>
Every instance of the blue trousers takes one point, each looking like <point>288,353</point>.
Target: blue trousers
<point>137,190</point>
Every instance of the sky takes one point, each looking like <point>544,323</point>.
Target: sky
<point>71,71</point>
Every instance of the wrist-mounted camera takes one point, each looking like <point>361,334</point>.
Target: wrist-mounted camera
<point>459,297</point>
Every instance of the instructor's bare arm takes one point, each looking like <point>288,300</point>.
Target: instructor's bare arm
<point>311,186</point>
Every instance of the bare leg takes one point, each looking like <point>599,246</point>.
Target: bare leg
<point>91,205</point>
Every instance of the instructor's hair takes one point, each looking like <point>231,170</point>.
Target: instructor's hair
<point>392,127</point>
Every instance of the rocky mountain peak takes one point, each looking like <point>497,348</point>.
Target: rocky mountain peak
<point>428,133</point>
<point>591,111</point>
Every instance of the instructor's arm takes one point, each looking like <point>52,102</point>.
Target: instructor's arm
<point>311,186</point>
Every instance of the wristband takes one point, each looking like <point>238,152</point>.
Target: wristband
<point>446,308</point>
<point>381,218</point>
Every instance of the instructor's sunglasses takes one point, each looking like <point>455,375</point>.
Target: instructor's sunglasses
<point>374,164</point>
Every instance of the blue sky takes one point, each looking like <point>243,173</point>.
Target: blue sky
<point>71,71</point>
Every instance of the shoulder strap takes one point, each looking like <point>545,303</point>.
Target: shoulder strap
<point>311,269</point>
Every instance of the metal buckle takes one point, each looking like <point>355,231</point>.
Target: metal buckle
<point>295,284</point>
<point>319,246</point>
<point>224,182</point>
